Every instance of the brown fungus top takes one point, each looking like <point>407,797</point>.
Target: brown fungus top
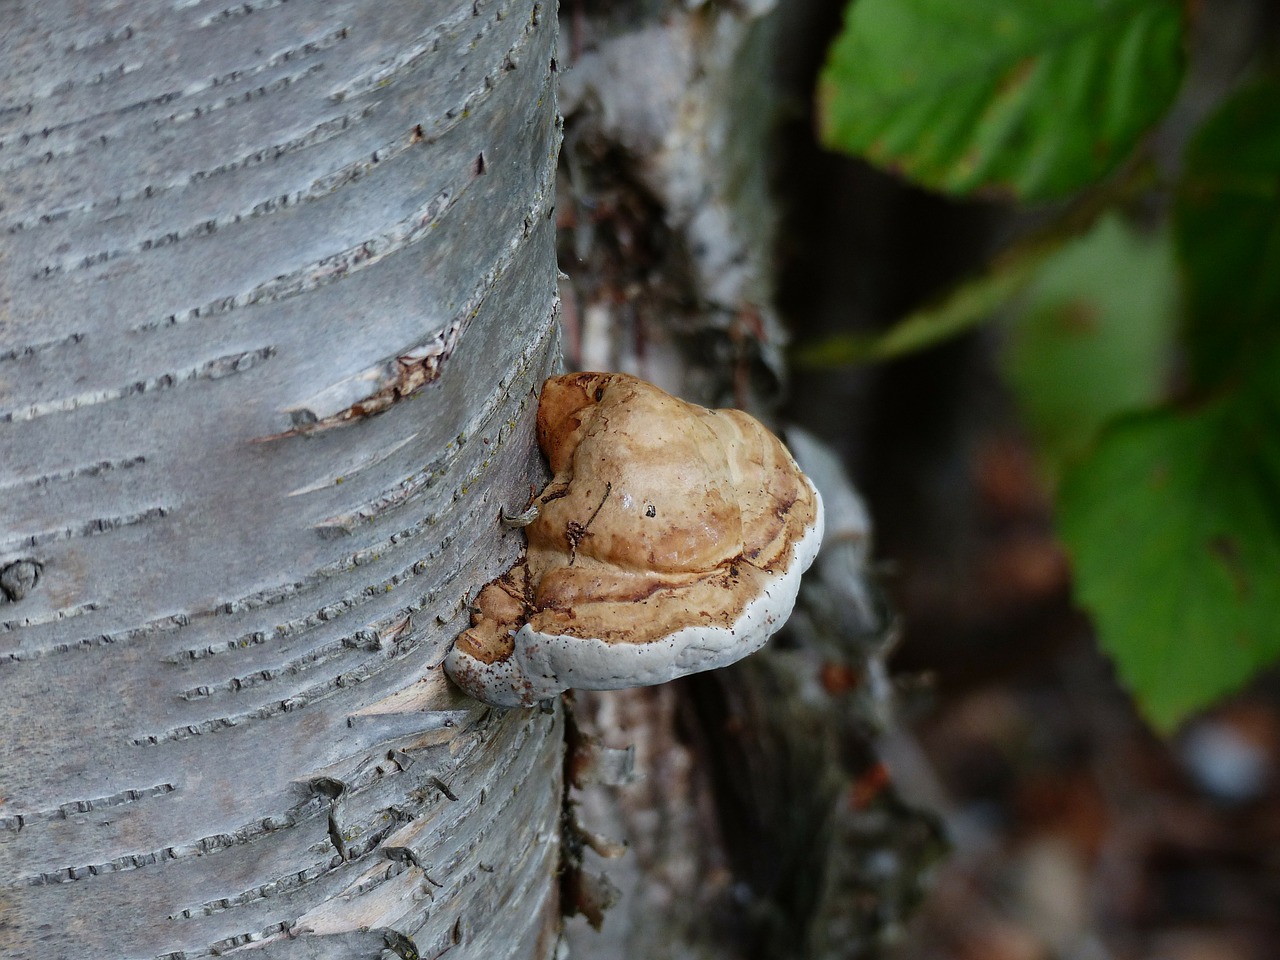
<point>665,524</point>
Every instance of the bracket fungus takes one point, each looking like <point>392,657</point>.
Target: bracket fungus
<point>670,540</point>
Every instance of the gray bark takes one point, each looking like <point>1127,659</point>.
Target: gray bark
<point>276,291</point>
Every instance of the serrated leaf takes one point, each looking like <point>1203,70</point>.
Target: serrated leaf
<point>1173,526</point>
<point>1035,98</point>
<point>1227,225</point>
<point>1091,337</point>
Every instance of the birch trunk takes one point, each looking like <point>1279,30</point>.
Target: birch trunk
<point>276,291</point>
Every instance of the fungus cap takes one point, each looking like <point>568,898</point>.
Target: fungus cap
<point>670,540</point>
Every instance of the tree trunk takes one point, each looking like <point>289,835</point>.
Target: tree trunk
<point>762,823</point>
<point>238,242</point>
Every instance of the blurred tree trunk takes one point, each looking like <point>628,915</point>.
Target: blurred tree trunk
<point>277,286</point>
<point>762,823</point>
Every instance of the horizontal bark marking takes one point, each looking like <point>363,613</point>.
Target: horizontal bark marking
<point>416,51</point>
<point>99,40</point>
<point>320,133</point>
<point>151,629</point>
<point>61,141</point>
<point>313,808</point>
<point>55,142</point>
<point>40,619</point>
<point>17,822</point>
<point>240,97</point>
<point>288,883</point>
<point>368,458</point>
<point>84,528</point>
<point>422,802</point>
<point>269,597</point>
<point>371,637</point>
<point>422,840</point>
<point>353,853</point>
<point>236,11</point>
<point>280,593</point>
<point>432,130</point>
<point>407,490</point>
<point>73,473</point>
<point>143,631</point>
<point>442,824</point>
<point>31,349</point>
<point>404,376</point>
<point>444,847</point>
<point>400,236</point>
<point>386,632</point>
<point>316,657</point>
<point>446,119</point>
<point>297,701</point>
<point>523,839</point>
<point>378,387</point>
<point>320,273</point>
<point>213,369</point>
<point>236,97</point>
<point>220,947</point>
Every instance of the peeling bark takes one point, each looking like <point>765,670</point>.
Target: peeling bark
<point>761,823</point>
<point>666,213</point>
<point>225,726</point>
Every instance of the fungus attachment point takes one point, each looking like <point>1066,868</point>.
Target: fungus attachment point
<point>670,540</point>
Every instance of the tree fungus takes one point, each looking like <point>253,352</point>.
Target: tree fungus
<point>670,540</point>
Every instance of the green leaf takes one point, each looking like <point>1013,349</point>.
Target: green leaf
<point>1038,98</point>
<point>1173,526</point>
<point>1227,225</point>
<point>1091,337</point>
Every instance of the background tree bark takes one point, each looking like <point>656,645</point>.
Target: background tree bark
<point>238,241</point>
<point>761,822</point>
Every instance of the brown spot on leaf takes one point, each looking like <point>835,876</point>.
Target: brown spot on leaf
<point>1077,317</point>
<point>1227,549</point>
